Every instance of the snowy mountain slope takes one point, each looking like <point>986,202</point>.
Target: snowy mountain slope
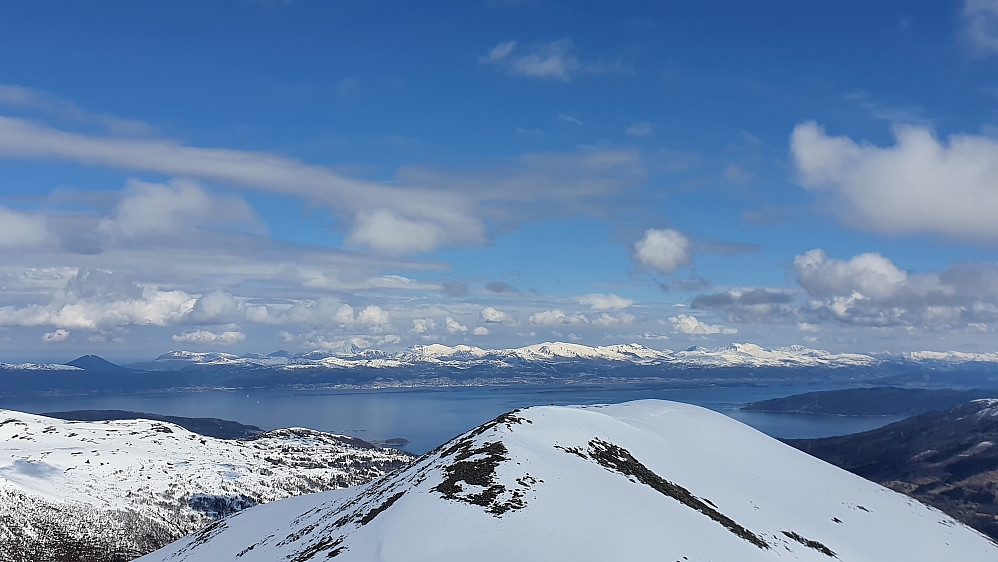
<point>646,480</point>
<point>947,459</point>
<point>140,483</point>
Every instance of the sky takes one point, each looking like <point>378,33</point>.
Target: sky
<point>248,176</point>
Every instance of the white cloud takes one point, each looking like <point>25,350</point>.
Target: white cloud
<point>390,232</point>
<point>389,339</point>
<point>374,315</point>
<point>663,249</point>
<point>641,129</point>
<point>454,327</point>
<point>609,320</point>
<point>216,307</point>
<point>980,18</point>
<point>423,325</point>
<point>21,230</point>
<point>344,314</point>
<point>548,318</point>
<point>481,331</point>
<point>494,316</point>
<point>918,185</point>
<point>556,317</point>
<point>870,275</point>
<point>56,336</point>
<point>155,208</point>
<point>152,308</point>
<point>599,301</point>
<point>690,325</point>
<point>205,337</point>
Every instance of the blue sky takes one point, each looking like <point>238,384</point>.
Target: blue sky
<point>251,176</point>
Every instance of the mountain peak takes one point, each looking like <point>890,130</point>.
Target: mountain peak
<point>621,482</point>
<point>95,363</point>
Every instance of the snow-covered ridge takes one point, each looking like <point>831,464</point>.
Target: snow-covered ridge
<point>950,357</point>
<point>647,480</point>
<point>988,407</point>
<point>747,354</point>
<point>37,367</point>
<point>169,480</point>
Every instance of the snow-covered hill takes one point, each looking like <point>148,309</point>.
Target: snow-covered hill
<point>647,480</point>
<point>123,488</point>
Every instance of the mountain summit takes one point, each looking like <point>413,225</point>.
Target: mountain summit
<point>95,363</point>
<point>646,480</point>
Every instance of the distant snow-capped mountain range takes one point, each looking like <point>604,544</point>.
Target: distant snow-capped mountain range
<point>439,365</point>
<point>744,355</point>
<point>733,355</point>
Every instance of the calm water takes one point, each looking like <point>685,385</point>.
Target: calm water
<point>429,417</point>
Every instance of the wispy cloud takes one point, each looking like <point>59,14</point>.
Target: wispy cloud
<point>641,129</point>
<point>422,210</point>
<point>980,19</point>
<point>570,119</point>
<point>910,114</point>
<point>556,60</point>
<point>415,219</point>
<point>12,95</point>
<point>600,301</point>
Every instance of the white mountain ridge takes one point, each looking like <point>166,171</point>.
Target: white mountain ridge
<point>646,480</point>
<point>155,481</point>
